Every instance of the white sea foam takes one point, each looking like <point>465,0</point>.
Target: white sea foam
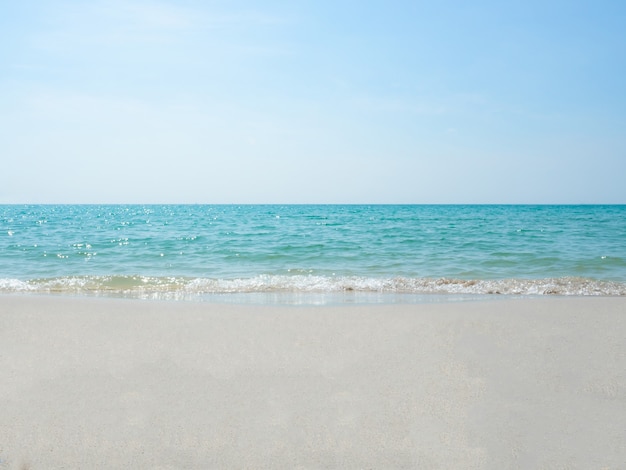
<point>179,287</point>
<point>15,285</point>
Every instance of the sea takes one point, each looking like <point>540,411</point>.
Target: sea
<point>311,254</point>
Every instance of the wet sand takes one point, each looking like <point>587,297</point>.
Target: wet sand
<point>508,383</point>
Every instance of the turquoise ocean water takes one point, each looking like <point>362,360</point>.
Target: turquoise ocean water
<point>199,251</point>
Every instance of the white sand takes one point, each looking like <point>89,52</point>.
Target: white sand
<point>93,383</point>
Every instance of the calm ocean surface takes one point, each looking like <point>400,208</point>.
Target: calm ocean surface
<point>199,251</point>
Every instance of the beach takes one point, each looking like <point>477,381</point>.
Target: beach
<point>536,382</point>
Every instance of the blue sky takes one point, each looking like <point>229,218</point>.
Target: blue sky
<point>312,101</point>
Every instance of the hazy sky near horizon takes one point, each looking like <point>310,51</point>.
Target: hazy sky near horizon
<point>127,101</point>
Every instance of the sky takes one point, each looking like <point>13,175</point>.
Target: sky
<point>312,101</point>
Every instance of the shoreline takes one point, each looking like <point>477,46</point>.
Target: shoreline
<point>115,383</point>
<point>277,285</point>
<point>294,299</point>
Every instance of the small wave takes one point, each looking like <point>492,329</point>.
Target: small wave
<point>181,287</point>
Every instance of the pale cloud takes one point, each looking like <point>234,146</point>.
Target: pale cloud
<point>71,106</point>
<point>428,107</point>
<point>153,15</point>
<point>245,18</point>
<point>143,29</point>
<point>113,23</point>
<point>140,21</point>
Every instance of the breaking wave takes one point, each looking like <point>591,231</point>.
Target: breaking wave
<point>181,287</point>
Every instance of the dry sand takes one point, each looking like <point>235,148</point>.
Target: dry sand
<point>104,383</point>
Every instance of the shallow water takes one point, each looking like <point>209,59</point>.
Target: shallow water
<point>182,251</point>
